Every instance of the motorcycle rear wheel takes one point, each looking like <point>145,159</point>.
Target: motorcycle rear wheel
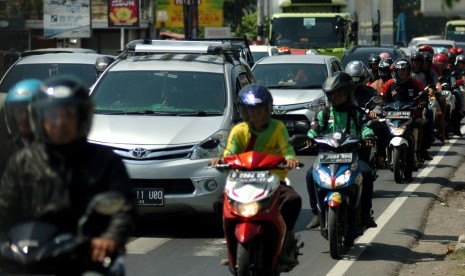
<point>334,233</point>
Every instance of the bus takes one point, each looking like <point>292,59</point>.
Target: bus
<point>325,32</point>
<point>455,30</point>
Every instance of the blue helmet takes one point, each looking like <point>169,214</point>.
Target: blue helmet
<point>18,99</point>
<point>253,95</point>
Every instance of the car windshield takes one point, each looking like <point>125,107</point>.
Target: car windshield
<point>85,72</point>
<point>259,55</point>
<point>162,93</point>
<point>290,76</point>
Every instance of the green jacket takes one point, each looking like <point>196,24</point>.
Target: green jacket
<point>337,121</point>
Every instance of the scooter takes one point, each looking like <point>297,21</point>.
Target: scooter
<point>338,178</point>
<point>254,228</point>
<point>40,247</point>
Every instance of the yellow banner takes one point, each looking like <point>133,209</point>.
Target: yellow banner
<point>170,13</point>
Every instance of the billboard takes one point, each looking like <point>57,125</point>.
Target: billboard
<point>123,13</point>
<point>67,19</point>
<point>170,13</point>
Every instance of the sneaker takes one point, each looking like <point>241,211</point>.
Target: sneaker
<point>425,155</point>
<point>314,223</point>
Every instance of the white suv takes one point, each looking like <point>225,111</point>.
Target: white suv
<point>156,105</point>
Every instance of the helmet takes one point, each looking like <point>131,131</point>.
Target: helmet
<point>358,71</point>
<point>384,55</point>
<point>373,59</point>
<point>19,96</point>
<point>454,50</point>
<point>460,59</point>
<point>451,57</point>
<point>253,95</point>
<point>401,63</point>
<point>416,55</point>
<point>426,48</point>
<point>440,59</point>
<point>459,51</point>
<point>61,92</point>
<point>339,90</point>
<point>384,67</point>
<point>427,56</point>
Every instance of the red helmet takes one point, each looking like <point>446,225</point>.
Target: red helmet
<point>459,51</point>
<point>426,48</point>
<point>440,59</point>
<point>384,55</point>
<point>454,50</point>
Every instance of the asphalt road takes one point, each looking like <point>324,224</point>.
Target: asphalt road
<point>195,245</point>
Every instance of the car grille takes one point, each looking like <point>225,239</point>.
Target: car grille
<point>170,186</point>
<point>180,152</point>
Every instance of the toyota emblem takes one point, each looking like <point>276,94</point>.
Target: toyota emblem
<point>279,110</point>
<point>138,153</point>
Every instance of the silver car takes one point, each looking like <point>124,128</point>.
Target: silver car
<point>295,82</point>
<point>155,108</point>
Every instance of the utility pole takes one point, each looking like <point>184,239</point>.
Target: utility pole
<point>260,31</point>
<point>190,11</point>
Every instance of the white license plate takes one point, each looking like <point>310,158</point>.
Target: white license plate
<point>398,115</point>
<point>150,196</point>
<point>335,158</point>
<point>260,176</point>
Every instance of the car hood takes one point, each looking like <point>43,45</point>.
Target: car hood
<point>152,130</point>
<point>295,96</point>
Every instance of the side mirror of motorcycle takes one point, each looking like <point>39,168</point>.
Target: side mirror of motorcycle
<point>107,204</point>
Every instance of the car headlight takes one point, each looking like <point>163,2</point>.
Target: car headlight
<point>316,104</point>
<point>396,131</point>
<point>204,153</point>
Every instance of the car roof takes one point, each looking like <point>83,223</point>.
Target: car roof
<point>56,50</point>
<point>316,59</point>
<point>77,58</point>
<point>436,42</point>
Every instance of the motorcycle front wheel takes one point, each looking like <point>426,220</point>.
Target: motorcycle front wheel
<point>334,233</point>
<point>398,159</point>
<point>249,261</point>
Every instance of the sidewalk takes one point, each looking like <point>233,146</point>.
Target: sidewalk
<point>434,253</point>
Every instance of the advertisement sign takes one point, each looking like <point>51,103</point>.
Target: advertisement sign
<point>170,13</point>
<point>123,13</point>
<point>67,19</point>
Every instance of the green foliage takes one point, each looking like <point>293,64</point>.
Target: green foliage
<point>248,27</point>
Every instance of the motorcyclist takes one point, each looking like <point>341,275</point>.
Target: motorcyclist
<point>363,94</point>
<point>373,62</point>
<point>16,111</point>
<point>259,132</point>
<point>402,87</point>
<point>55,178</point>
<point>417,59</point>
<point>340,106</point>
<point>384,71</point>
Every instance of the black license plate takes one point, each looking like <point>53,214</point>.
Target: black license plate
<point>398,115</point>
<point>335,158</point>
<point>150,196</point>
<point>261,176</point>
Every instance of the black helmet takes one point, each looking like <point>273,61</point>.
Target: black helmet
<point>451,57</point>
<point>339,84</point>
<point>61,92</point>
<point>427,56</point>
<point>358,71</point>
<point>416,55</point>
<point>401,63</point>
<point>384,67</point>
<point>253,95</point>
<point>460,59</point>
<point>373,59</point>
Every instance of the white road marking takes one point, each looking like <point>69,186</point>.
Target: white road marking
<point>144,245</point>
<point>343,265</point>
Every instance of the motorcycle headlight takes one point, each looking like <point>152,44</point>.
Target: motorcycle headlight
<point>204,153</point>
<point>247,209</point>
<point>343,178</point>
<point>325,179</point>
<point>396,131</point>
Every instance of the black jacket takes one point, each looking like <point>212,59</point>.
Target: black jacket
<point>36,184</point>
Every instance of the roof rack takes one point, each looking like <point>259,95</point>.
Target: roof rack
<point>177,46</point>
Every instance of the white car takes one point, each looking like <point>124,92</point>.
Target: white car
<point>261,51</point>
<point>295,82</point>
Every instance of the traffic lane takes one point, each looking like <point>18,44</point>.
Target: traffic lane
<point>175,241</point>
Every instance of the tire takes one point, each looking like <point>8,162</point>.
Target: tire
<point>334,233</point>
<point>244,260</point>
<point>397,164</point>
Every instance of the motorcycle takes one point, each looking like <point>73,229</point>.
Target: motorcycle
<point>254,228</point>
<point>337,173</point>
<point>40,247</point>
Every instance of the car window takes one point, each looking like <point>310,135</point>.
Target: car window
<point>85,72</point>
<point>259,55</point>
<point>293,76</point>
<point>160,91</point>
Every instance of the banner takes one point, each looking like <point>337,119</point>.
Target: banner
<point>170,13</point>
<point>123,13</point>
<point>67,19</point>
